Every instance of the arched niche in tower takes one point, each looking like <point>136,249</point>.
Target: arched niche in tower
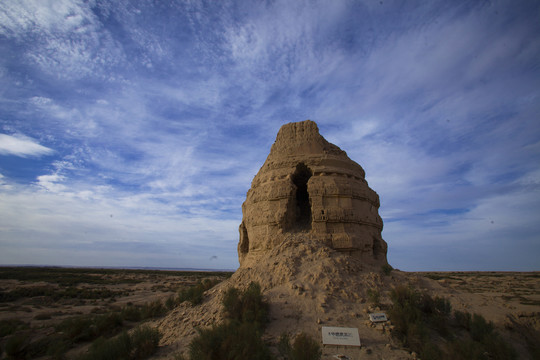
<point>302,204</point>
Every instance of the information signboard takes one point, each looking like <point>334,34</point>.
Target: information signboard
<point>340,336</point>
<point>378,317</point>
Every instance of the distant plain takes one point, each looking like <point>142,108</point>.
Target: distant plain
<point>58,312</point>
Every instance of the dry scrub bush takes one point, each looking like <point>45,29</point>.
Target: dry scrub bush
<point>229,341</point>
<point>248,307</point>
<point>304,348</point>
<point>139,345</point>
<point>194,294</point>
<point>146,311</point>
<point>9,326</point>
<point>374,296</point>
<point>239,336</point>
<point>427,326</point>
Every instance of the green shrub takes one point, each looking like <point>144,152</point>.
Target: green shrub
<point>57,347</point>
<point>194,294</point>
<point>239,337</point>
<point>304,348</point>
<point>16,346</point>
<point>284,346</point>
<point>374,297</point>
<point>153,309</point>
<point>140,344</point>
<point>247,306</point>
<point>145,341</point>
<point>9,326</point>
<point>85,328</point>
<point>232,305</point>
<point>498,349</point>
<point>465,349</point>
<point>107,323</point>
<point>415,317</point>
<point>171,302</point>
<point>420,320</point>
<point>134,313</point>
<point>77,328</point>
<point>480,328</point>
<point>118,347</point>
<point>37,348</point>
<point>131,312</point>
<point>430,351</point>
<point>20,346</point>
<point>207,345</point>
<point>462,319</point>
<point>436,311</point>
<point>404,312</point>
<point>229,341</point>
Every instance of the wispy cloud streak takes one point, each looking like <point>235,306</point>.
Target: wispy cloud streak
<point>22,146</point>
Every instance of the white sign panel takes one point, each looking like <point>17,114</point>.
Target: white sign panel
<point>378,317</point>
<point>340,336</point>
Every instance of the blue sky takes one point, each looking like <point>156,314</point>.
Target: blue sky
<point>130,131</point>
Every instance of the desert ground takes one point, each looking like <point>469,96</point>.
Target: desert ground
<point>36,305</point>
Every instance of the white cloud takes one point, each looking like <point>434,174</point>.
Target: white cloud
<point>40,101</point>
<point>51,182</point>
<point>66,39</point>
<point>109,228</point>
<point>19,16</point>
<point>22,146</point>
<point>3,184</point>
<point>496,234</point>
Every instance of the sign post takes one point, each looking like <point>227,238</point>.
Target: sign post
<point>340,336</point>
<point>378,317</point>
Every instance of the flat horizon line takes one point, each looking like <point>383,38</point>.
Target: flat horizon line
<point>157,268</point>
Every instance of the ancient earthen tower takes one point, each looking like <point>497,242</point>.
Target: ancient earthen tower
<point>309,187</point>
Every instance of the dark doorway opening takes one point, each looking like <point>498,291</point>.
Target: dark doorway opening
<point>300,178</point>
<point>243,246</point>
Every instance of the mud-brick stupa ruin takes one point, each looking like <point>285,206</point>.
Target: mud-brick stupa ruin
<point>311,187</point>
<point>310,236</point>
